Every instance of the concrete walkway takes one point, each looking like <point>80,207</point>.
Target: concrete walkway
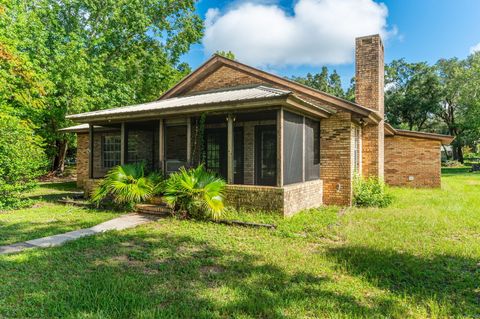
<point>120,223</point>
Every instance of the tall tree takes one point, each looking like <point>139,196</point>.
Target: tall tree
<point>324,81</point>
<point>460,103</point>
<point>100,54</point>
<point>412,94</point>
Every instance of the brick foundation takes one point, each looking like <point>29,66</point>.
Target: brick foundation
<point>407,158</point>
<point>286,200</point>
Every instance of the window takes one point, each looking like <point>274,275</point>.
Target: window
<point>312,149</point>
<point>215,151</point>
<point>111,151</point>
<point>356,150</point>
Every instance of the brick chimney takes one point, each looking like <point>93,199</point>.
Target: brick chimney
<point>369,92</point>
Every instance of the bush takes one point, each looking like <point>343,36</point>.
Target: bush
<point>127,185</point>
<point>22,160</point>
<point>195,192</point>
<point>370,192</point>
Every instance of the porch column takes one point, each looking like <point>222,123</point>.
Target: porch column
<point>161,144</point>
<point>280,148</point>
<point>90,151</point>
<point>122,144</point>
<point>230,179</point>
<point>189,141</point>
<point>303,150</point>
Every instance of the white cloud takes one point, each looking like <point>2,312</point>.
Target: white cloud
<point>475,48</point>
<point>319,31</point>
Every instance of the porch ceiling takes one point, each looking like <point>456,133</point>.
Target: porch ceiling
<point>226,100</point>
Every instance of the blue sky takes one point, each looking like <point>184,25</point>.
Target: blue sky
<point>417,30</point>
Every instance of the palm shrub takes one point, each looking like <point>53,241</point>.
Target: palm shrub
<point>370,192</point>
<point>127,185</point>
<point>195,192</point>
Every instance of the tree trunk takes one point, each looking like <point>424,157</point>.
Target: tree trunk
<point>59,160</point>
<point>458,153</point>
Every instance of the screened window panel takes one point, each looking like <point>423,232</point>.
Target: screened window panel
<point>142,146</point>
<point>111,148</point>
<point>312,149</point>
<point>292,148</point>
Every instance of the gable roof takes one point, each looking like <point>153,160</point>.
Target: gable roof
<point>220,99</point>
<point>216,61</point>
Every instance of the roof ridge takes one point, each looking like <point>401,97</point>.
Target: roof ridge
<point>273,90</point>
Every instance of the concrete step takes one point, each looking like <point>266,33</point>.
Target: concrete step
<point>153,209</point>
<point>157,200</point>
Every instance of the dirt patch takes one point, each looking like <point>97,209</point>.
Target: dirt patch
<point>212,269</point>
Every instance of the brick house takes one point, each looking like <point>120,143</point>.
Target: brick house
<point>280,145</point>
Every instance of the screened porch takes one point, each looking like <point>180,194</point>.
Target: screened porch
<point>269,147</point>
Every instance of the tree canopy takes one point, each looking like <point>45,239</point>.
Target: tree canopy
<point>327,82</point>
<point>82,55</point>
<point>442,98</point>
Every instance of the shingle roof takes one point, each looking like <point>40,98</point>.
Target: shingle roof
<point>244,94</point>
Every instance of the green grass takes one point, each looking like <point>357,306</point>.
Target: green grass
<point>416,259</point>
<point>46,217</point>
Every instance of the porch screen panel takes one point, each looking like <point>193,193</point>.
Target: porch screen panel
<point>175,147</point>
<point>292,148</point>
<point>312,149</point>
<point>142,146</point>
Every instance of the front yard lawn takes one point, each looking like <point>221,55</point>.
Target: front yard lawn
<point>418,258</point>
<point>47,217</point>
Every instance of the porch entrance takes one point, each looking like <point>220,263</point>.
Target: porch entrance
<point>266,155</point>
<point>216,152</point>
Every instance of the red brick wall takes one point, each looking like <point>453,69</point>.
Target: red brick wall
<point>225,77</point>
<point>412,157</point>
<point>336,159</point>
<point>82,158</point>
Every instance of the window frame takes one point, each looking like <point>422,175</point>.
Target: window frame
<point>107,152</point>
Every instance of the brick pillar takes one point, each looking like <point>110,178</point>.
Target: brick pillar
<point>369,92</point>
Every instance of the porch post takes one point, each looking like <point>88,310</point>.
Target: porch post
<point>90,151</point>
<point>161,145</point>
<point>280,147</point>
<point>122,144</point>
<point>189,141</point>
<point>303,150</point>
<point>230,179</point>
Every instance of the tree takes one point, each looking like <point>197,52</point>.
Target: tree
<point>99,54</point>
<point>227,54</point>
<point>324,81</point>
<point>21,159</point>
<point>460,109</point>
<point>412,94</point>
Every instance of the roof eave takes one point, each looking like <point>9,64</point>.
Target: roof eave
<point>444,139</point>
<point>182,110</point>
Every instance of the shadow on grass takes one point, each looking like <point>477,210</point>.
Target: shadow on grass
<point>52,192</point>
<point>165,276</point>
<point>14,232</point>
<point>448,280</point>
<point>452,171</point>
